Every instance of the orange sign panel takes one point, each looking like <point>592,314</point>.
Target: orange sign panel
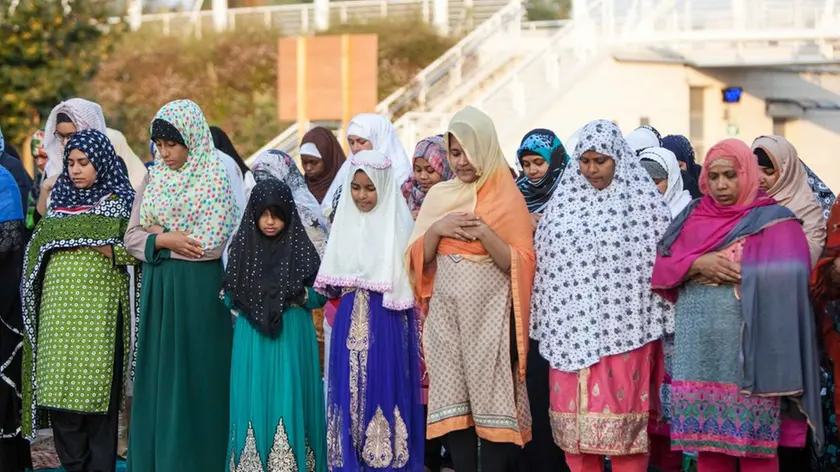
<point>332,66</point>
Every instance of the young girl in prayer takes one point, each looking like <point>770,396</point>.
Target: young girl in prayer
<point>374,413</point>
<point>276,396</point>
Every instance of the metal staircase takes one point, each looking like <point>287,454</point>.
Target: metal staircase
<point>516,72</point>
<point>703,33</point>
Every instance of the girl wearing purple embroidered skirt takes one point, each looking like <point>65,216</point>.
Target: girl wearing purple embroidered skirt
<point>374,414</point>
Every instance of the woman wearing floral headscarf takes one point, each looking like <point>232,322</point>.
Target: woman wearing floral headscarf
<point>180,223</point>
<point>430,166</point>
<point>736,264</point>
<point>595,317</point>
<point>76,306</point>
<point>281,166</point>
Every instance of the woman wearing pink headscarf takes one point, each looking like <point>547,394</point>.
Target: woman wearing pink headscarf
<point>745,358</point>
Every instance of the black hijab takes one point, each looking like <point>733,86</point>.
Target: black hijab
<point>265,275</point>
<point>223,143</point>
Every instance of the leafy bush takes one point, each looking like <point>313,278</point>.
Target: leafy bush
<point>46,55</point>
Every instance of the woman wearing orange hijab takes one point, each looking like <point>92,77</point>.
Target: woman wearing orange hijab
<point>471,265</point>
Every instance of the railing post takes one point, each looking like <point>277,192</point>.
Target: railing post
<point>304,19</point>
<point>267,18</point>
<point>425,11</point>
<point>135,14</point>
<point>342,14</point>
<point>220,15</point>
<point>441,16</point>
<point>166,25</point>
<point>383,8</point>
<point>322,15</point>
<point>455,72</point>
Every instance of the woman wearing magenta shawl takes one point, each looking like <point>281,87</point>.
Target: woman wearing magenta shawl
<point>737,266</point>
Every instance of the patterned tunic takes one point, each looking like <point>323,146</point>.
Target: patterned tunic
<point>83,294</point>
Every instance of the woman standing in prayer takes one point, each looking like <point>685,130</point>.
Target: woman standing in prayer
<point>682,149</point>
<point>783,177</point>
<point>737,265</point>
<point>66,118</point>
<point>543,159</point>
<point>14,449</point>
<point>76,306</point>
<point>374,416</point>
<point>595,317</point>
<point>429,167</point>
<point>179,225</point>
<point>321,156</point>
<point>368,131</point>
<point>662,167</point>
<point>661,164</point>
<point>279,165</point>
<point>475,230</point>
<point>276,397</point>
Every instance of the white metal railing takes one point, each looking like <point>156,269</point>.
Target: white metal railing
<point>445,73</point>
<point>301,17</point>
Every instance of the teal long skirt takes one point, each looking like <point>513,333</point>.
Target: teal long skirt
<point>179,417</point>
<point>277,420</point>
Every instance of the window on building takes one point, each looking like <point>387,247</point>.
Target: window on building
<point>696,111</point>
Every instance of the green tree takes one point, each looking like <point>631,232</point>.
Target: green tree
<point>50,49</point>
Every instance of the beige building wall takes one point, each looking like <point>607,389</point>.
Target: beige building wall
<point>627,92</point>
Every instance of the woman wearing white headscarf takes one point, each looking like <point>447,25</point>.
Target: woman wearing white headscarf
<point>81,114</point>
<point>644,137</point>
<point>662,166</point>
<point>369,131</point>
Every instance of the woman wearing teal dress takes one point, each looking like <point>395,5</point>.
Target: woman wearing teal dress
<point>277,419</point>
<point>182,217</point>
<point>76,305</point>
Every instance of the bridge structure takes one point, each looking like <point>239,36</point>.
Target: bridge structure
<point>517,71</point>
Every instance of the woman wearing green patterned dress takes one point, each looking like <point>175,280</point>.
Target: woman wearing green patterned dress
<point>76,299</point>
<point>183,215</point>
<point>276,396</point>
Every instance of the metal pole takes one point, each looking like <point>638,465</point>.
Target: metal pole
<point>322,15</point>
<point>346,103</point>
<point>220,15</point>
<point>135,14</point>
<point>441,16</point>
<point>302,98</point>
